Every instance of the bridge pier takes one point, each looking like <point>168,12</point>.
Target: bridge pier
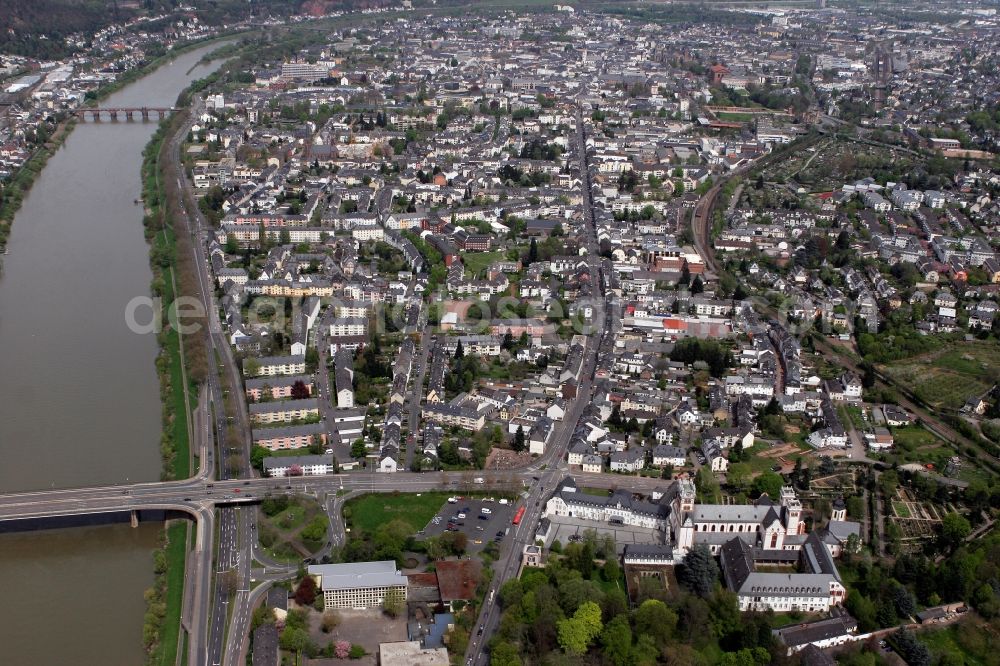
<point>145,114</point>
<point>134,518</point>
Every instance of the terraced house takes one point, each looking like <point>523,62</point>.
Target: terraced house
<point>284,411</point>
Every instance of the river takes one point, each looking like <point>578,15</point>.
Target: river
<point>80,393</point>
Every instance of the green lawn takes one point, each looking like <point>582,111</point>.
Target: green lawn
<point>282,533</point>
<point>787,619</point>
<point>913,437</point>
<point>600,492</point>
<point>966,642</point>
<point>367,513</point>
<point>176,554</point>
<point>291,517</point>
<point>476,262</point>
<point>901,509</point>
<point>730,117</point>
<point>286,453</point>
<point>181,467</point>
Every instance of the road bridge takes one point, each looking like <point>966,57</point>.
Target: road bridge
<point>127,113</point>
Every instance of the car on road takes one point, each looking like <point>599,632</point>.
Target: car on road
<point>483,517</point>
<point>479,480</point>
<point>485,511</point>
<point>478,541</point>
<point>461,515</point>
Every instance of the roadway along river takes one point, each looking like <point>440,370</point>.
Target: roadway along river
<point>80,397</point>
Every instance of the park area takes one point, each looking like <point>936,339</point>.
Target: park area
<point>293,527</point>
<point>945,378</point>
<point>369,512</point>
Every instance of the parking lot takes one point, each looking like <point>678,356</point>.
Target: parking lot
<point>564,529</point>
<point>476,525</point>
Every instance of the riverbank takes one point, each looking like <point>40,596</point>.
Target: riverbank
<point>21,182</point>
<point>161,624</point>
<point>181,366</point>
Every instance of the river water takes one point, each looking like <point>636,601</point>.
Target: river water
<point>80,400</point>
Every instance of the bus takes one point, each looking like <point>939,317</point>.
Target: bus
<point>518,516</point>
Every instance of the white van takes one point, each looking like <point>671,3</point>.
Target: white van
<point>485,511</point>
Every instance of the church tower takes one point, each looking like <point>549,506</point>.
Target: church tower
<point>793,511</point>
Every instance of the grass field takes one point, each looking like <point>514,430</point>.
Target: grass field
<point>181,466</point>
<point>731,117</point>
<point>913,437</point>
<point>477,262</point>
<point>370,511</point>
<point>176,554</point>
<point>947,377</point>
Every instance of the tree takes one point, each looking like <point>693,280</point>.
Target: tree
<point>393,603</point>
<point>294,639</point>
<point>578,632</point>
<point>903,601</point>
<point>358,449</point>
<point>505,654</point>
<point>519,439</point>
<point>331,619</point>
<point>699,572</point>
<point>312,359</point>
<point>611,570</point>
<point>251,367</point>
<point>738,475</point>
<point>736,454</point>
<point>459,350</point>
<point>533,251</point>
<point>954,529</point>
<point>655,619</point>
<point>257,455</point>
<point>228,582</point>
<point>616,639</point>
<point>862,609</point>
<point>698,285</point>
<point>305,593</point>
<point>299,390</point>
<point>770,483</point>
<point>454,542</point>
